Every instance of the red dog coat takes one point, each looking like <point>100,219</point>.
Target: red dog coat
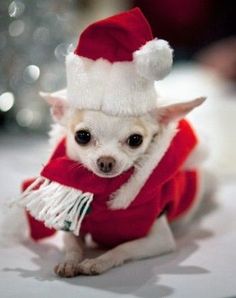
<point>170,189</point>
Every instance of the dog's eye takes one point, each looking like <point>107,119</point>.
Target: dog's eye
<point>82,137</point>
<point>135,140</point>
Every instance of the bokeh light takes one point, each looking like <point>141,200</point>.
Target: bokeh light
<point>6,101</point>
<point>31,74</point>
<point>62,50</point>
<point>16,28</point>
<point>28,118</point>
<point>16,8</point>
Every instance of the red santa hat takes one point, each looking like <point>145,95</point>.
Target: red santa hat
<point>115,65</point>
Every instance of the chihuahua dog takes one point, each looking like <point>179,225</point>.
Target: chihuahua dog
<point>107,146</point>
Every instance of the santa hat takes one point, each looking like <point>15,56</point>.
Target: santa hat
<point>115,65</point>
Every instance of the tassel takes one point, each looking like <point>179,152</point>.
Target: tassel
<point>58,206</point>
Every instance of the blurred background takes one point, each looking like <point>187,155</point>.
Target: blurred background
<point>35,37</point>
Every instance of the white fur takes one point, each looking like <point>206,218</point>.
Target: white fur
<point>56,134</point>
<point>154,60</point>
<point>73,256</point>
<point>114,88</point>
<point>109,136</point>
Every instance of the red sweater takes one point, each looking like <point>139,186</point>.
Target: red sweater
<point>169,189</point>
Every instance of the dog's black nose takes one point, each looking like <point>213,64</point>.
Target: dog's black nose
<point>106,164</point>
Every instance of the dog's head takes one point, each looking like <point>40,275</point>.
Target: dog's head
<point>109,145</point>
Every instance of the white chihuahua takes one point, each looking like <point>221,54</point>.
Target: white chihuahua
<point>108,146</point>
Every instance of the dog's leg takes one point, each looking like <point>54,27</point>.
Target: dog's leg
<point>159,241</point>
<point>73,255</point>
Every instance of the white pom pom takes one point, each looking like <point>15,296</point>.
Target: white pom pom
<point>154,60</point>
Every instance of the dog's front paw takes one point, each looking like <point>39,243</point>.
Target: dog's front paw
<point>67,269</point>
<point>94,266</point>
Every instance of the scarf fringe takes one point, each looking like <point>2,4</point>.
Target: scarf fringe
<point>58,206</point>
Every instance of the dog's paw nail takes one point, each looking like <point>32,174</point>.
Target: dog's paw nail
<point>67,269</point>
<point>93,266</point>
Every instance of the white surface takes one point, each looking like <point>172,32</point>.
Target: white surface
<point>202,266</point>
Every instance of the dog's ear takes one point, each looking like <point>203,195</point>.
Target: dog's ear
<point>58,104</point>
<point>174,112</point>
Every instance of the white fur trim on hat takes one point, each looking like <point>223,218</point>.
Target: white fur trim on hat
<point>154,60</point>
<point>114,88</point>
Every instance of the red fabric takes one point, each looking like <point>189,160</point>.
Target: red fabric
<point>115,38</point>
<point>169,188</point>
